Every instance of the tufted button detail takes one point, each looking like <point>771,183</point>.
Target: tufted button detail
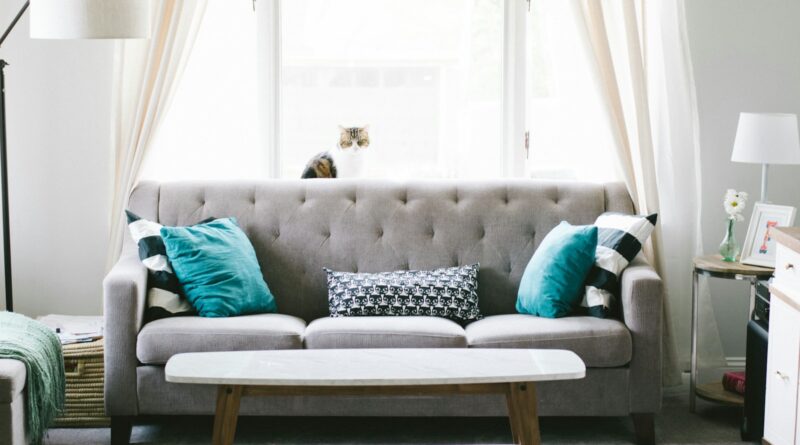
<point>380,233</point>
<point>277,234</point>
<point>482,233</point>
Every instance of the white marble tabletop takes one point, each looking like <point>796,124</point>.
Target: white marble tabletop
<point>378,367</point>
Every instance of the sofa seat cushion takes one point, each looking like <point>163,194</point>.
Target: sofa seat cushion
<point>161,339</point>
<point>384,332</point>
<point>12,379</point>
<point>600,343</point>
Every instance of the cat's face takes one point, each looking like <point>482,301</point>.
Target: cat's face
<point>353,135</point>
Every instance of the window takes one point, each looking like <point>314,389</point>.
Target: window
<point>426,76</point>
<point>569,129</point>
<point>447,87</point>
<point>211,128</point>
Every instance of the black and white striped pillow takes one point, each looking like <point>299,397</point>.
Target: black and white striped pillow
<point>164,298</point>
<point>619,239</point>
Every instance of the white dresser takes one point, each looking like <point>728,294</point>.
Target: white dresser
<point>783,362</point>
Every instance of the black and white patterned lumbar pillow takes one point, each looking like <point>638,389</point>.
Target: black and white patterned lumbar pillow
<point>620,238</point>
<point>164,297</point>
<point>450,293</point>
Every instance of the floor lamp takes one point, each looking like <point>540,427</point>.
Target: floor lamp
<point>64,19</point>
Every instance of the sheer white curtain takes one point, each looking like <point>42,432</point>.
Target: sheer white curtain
<point>147,72</point>
<point>643,64</point>
<point>677,142</point>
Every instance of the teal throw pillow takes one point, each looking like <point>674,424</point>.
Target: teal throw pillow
<point>552,284</point>
<point>217,268</point>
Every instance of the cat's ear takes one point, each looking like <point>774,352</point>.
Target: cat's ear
<point>366,127</point>
<point>342,129</point>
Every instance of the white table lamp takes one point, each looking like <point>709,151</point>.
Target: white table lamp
<point>65,19</point>
<point>767,138</point>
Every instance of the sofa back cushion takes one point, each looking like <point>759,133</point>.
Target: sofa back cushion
<point>297,227</point>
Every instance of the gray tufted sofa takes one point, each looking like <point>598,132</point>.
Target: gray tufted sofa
<point>299,227</point>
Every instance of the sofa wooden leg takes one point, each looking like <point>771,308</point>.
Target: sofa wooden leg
<point>644,426</point>
<point>121,427</point>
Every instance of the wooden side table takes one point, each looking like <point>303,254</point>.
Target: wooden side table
<point>713,266</point>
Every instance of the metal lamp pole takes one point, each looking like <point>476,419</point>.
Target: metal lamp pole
<point>4,166</point>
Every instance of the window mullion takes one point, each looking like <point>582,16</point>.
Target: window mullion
<point>269,69</point>
<point>514,87</point>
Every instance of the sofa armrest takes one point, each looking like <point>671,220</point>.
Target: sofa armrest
<point>642,293</point>
<point>124,295</point>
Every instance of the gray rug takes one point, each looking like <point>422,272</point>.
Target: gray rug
<point>675,425</point>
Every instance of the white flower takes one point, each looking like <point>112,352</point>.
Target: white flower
<point>733,194</point>
<point>735,203</point>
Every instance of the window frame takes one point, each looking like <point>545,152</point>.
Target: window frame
<point>515,135</point>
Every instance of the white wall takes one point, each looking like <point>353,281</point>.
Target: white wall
<point>58,106</point>
<point>746,56</point>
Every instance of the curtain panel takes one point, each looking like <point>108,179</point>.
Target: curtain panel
<point>644,72</point>
<point>146,75</point>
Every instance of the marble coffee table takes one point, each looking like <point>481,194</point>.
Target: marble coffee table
<point>397,372</point>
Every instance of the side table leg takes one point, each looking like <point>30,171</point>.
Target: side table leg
<point>695,307</point>
<point>753,282</point>
<point>228,398</point>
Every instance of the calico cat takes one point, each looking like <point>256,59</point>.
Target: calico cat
<point>354,134</point>
<point>320,166</point>
<point>345,161</point>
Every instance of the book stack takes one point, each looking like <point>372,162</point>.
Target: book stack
<point>75,329</point>
<point>734,382</point>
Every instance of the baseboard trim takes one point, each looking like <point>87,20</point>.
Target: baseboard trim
<point>730,362</point>
<point>736,362</point>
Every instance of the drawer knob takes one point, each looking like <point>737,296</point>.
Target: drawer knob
<point>789,266</point>
<point>782,376</point>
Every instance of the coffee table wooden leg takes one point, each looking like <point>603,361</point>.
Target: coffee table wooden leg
<point>228,398</point>
<point>513,415</point>
<point>522,407</point>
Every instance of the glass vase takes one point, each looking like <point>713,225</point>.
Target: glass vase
<point>729,249</point>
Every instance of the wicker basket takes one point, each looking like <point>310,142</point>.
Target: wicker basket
<point>84,406</point>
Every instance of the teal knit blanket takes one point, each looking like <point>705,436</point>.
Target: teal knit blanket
<point>35,345</point>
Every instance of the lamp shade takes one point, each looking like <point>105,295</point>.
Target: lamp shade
<point>767,138</point>
<point>90,19</point>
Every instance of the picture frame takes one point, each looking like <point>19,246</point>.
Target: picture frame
<point>759,246</point>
